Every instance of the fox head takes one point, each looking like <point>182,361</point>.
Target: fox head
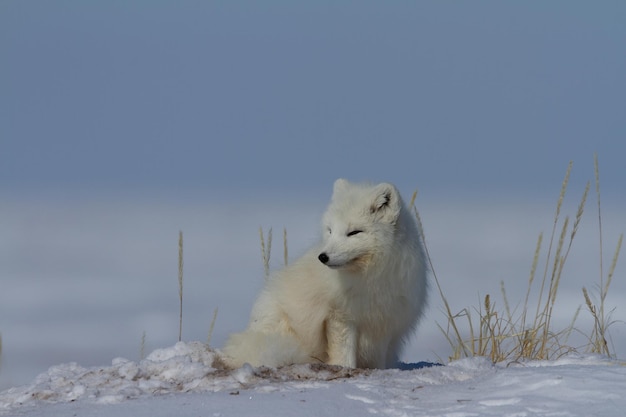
<point>359,224</point>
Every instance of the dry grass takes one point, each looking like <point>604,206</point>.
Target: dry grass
<point>142,346</point>
<point>180,295</point>
<point>180,299</point>
<point>180,285</point>
<point>208,338</point>
<point>601,320</point>
<point>266,251</point>
<point>285,250</point>
<point>527,333</point>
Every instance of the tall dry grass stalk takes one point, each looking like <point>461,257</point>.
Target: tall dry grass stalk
<point>142,346</point>
<point>511,335</point>
<point>180,285</point>
<point>208,339</point>
<point>266,251</point>
<point>543,317</point>
<point>180,295</point>
<point>596,171</point>
<point>452,333</point>
<point>601,320</point>
<point>285,249</point>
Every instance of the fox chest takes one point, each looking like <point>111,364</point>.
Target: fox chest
<point>373,312</point>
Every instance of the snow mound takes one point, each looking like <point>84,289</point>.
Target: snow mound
<point>466,387</point>
<point>185,367</point>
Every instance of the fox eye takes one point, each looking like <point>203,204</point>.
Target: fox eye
<point>354,232</point>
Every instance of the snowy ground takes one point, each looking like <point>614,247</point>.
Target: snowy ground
<point>187,380</point>
<point>83,280</point>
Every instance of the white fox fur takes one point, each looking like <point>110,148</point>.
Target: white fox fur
<point>353,299</point>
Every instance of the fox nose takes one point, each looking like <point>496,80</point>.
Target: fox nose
<point>323,258</point>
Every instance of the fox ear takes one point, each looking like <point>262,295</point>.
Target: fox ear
<point>340,185</point>
<point>386,203</point>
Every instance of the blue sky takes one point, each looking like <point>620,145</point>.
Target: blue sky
<point>223,96</point>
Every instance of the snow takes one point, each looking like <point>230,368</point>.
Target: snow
<point>188,379</point>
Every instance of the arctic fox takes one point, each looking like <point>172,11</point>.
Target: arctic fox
<point>353,299</point>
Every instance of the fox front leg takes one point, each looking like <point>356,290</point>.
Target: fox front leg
<point>342,343</point>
